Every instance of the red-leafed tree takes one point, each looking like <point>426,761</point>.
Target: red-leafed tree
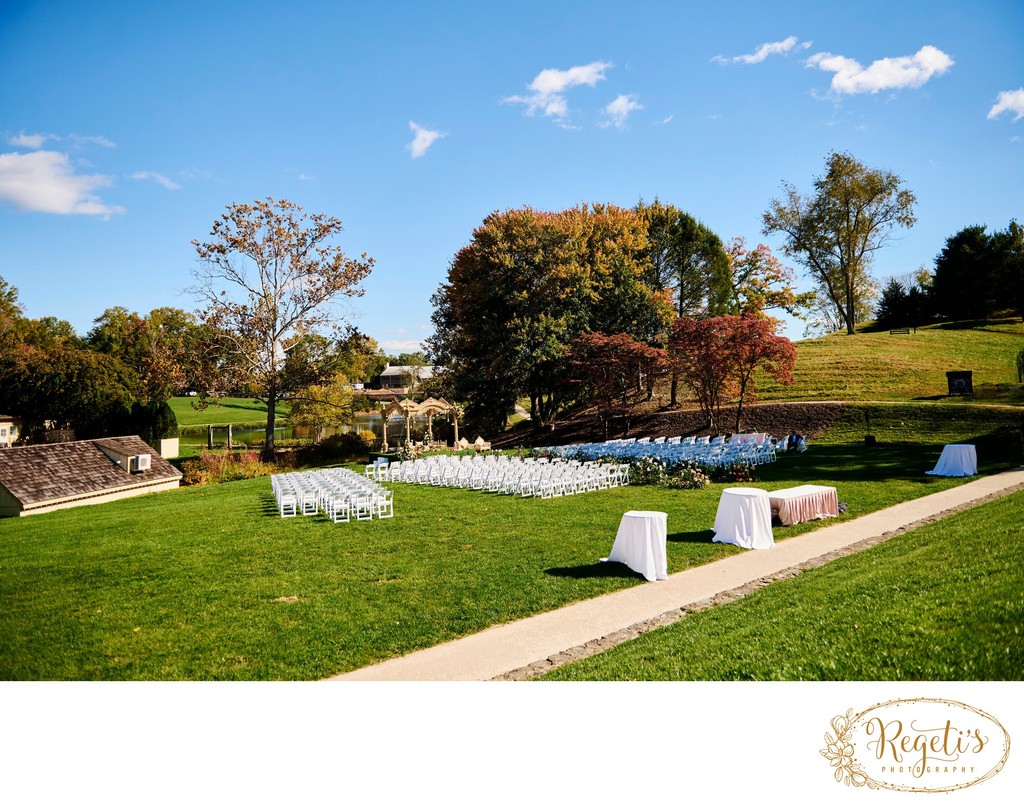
<point>718,357</point>
<point>756,346</point>
<point>616,373</point>
<point>701,350</point>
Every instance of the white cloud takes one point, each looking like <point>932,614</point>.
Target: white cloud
<point>160,179</point>
<point>667,120</point>
<point>96,140</point>
<point>618,111</point>
<point>1008,101</point>
<point>395,346</point>
<point>763,51</point>
<point>45,181</point>
<point>30,141</point>
<point>883,74</point>
<point>549,87</point>
<point>422,140</point>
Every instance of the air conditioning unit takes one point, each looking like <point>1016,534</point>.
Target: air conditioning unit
<point>138,463</point>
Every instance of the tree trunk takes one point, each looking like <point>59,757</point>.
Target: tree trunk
<point>675,387</point>
<point>268,442</point>
<point>851,309</point>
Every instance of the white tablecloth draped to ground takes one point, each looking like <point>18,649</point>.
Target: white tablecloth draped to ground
<point>804,503</point>
<point>641,543</point>
<point>956,460</point>
<point>744,518</point>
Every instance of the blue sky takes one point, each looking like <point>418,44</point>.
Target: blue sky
<point>126,129</point>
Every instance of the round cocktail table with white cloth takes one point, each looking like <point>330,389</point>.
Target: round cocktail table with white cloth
<point>641,543</point>
<point>744,518</point>
<point>956,460</point>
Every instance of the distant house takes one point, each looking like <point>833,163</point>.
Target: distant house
<point>404,376</point>
<point>41,478</point>
<point>10,429</point>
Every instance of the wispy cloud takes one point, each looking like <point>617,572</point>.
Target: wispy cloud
<point>422,140</point>
<point>95,140</point>
<point>160,179</point>
<point>45,182</point>
<point>618,111</point>
<point>893,73</point>
<point>30,141</point>
<point>763,51</point>
<point>547,90</point>
<point>1008,101</point>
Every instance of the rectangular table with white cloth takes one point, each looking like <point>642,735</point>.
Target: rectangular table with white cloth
<point>641,544</point>
<point>956,460</point>
<point>804,503</point>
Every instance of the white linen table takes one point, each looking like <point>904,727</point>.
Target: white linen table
<point>956,460</point>
<point>804,503</point>
<point>744,518</point>
<point>641,544</point>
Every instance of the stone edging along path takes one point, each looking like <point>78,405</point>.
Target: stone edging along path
<point>595,646</point>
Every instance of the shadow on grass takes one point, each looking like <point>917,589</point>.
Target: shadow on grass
<point>594,570</point>
<point>696,537</point>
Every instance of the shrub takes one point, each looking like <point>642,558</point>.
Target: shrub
<point>736,473</point>
<point>688,476</point>
<point>368,438</point>
<point>647,471</point>
<point>224,466</point>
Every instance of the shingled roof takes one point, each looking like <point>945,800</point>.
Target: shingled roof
<point>39,476</point>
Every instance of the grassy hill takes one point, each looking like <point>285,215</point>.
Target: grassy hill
<point>879,366</point>
<point>228,410</point>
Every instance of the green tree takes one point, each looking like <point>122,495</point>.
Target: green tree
<point>686,258</point>
<point>266,279</point>
<point>963,286</point>
<point>323,406</point>
<point>523,289</point>
<point>835,232</point>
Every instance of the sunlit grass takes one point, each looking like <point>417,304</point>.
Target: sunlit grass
<point>943,602</point>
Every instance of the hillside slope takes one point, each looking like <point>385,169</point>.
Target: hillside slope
<point>879,366</point>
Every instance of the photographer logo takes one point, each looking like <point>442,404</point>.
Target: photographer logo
<point>922,745</point>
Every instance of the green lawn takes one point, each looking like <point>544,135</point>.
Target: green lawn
<point>185,584</point>
<point>227,410</point>
<point>881,366</point>
<point>943,602</point>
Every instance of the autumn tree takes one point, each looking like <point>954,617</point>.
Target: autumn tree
<point>615,373</point>
<point>718,358</point>
<point>760,282</point>
<point>523,289</point>
<point>835,232</point>
<point>323,406</point>
<point>758,349</point>
<point>267,278</point>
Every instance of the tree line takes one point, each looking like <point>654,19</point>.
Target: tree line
<point>977,275</point>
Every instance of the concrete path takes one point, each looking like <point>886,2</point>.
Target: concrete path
<point>504,648</point>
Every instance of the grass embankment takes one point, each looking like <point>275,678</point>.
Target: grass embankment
<point>236,411</point>
<point>188,584</point>
<point>879,366</point>
<point>943,602</point>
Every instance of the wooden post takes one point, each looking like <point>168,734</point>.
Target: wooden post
<point>209,437</point>
<point>229,437</point>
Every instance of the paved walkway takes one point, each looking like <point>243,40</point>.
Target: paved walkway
<point>499,651</point>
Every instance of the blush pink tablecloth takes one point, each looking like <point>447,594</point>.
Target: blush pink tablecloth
<point>804,503</point>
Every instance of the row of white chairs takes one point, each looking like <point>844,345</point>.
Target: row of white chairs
<point>706,451</point>
<point>509,475</point>
<point>338,493</point>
